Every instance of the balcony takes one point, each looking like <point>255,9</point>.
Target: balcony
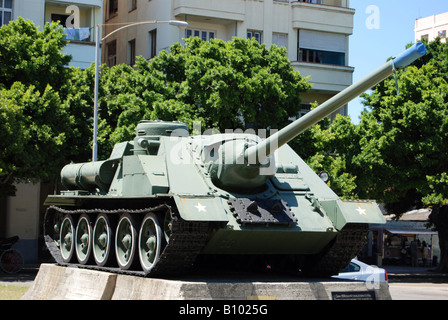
<point>79,23</point>
<point>327,16</point>
<point>325,77</point>
<point>233,10</point>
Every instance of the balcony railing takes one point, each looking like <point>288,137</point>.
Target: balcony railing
<point>335,3</point>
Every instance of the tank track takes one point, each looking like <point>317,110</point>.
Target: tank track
<point>346,246</point>
<point>186,241</point>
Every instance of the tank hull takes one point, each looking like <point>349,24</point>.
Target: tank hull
<point>163,214</point>
<point>305,236</point>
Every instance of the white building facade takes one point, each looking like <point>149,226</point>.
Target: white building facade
<point>315,32</point>
<point>78,17</point>
<point>432,27</point>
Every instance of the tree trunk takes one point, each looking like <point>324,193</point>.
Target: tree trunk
<point>439,217</point>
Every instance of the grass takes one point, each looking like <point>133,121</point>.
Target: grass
<point>10,292</point>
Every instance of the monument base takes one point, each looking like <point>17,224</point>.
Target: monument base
<point>66,283</point>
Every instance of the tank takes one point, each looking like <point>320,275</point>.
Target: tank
<point>167,201</point>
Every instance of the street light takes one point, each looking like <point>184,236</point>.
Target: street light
<point>98,40</point>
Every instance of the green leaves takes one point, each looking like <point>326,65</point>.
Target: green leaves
<point>33,119</point>
<point>215,82</point>
<point>31,56</point>
<point>46,109</point>
<point>398,152</point>
<point>32,132</point>
<point>438,190</point>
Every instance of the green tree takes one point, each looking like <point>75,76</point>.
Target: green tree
<point>120,97</point>
<point>33,118</point>
<point>32,135</point>
<point>410,139</point>
<point>215,82</point>
<point>328,146</point>
<point>77,100</point>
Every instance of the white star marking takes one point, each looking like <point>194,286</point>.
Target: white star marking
<point>361,211</point>
<point>200,207</point>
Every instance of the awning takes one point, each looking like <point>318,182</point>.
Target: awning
<point>411,232</point>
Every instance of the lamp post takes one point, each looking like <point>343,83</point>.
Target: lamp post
<point>98,40</point>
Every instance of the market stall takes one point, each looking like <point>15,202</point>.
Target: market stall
<point>409,247</point>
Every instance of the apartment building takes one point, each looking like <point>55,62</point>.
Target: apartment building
<point>315,32</point>
<point>431,27</point>
<point>78,17</point>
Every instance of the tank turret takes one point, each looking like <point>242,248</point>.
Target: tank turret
<point>166,201</point>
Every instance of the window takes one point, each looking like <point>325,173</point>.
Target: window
<point>280,39</point>
<point>352,267</point>
<point>5,11</point>
<point>321,47</point>
<point>62,18</point>
<point>112,53</point>
<point>312,1</point>
<point>132,5</point>
<point>205,35</point>
<point>442,34</point>
<point>113,8</point>
<point>304,109</point>
<point>320,56</point>
<point>152,43</point>
<point>257,35</point>
<point>131,52</point>
<point>425,36</point>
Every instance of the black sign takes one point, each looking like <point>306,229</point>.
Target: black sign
<point>354,295</point>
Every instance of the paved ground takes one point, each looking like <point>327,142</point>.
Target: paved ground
<point>414,274</point>
<point>24,278</point>
<point>418,291</point>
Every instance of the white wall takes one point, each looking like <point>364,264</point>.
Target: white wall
<point>22,219</point>
<point>33,10</point>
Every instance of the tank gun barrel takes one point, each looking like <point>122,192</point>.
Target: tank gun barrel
<point>256,154</point>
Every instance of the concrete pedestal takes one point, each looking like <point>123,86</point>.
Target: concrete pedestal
<point>61,283</point>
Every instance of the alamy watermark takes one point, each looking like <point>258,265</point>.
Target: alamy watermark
<point>74,20</point>
<point>230,148</point>
<point>373,21</point>
<point>373,281</point>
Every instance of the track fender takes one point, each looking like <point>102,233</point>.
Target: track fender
<point>193,208</point>
<point>342,212</point>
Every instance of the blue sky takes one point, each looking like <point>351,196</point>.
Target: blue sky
<point>370,47</point>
